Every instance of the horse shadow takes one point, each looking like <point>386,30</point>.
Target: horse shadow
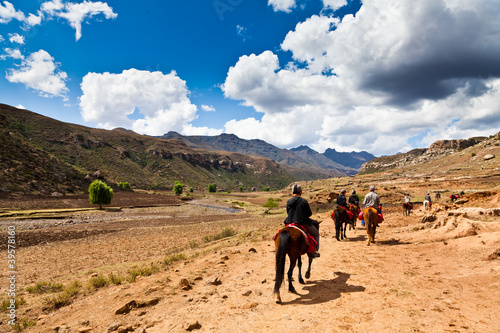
<point>358,238</point>
<point>322,291</point>
<point>392,242</point>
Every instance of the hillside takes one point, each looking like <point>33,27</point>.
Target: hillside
<point>442,157</point>
<point>302,160</point>
<point>41,155</point>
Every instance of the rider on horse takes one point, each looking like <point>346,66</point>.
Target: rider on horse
<point>342,202</point>
<point>299,212</point>
<point>354,199</point>
<point>373,200</point>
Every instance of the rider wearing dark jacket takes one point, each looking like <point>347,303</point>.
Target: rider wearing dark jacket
<point>341,199</point>
<point>354,199</point>
<point>299,212</point>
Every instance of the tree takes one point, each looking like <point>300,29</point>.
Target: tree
<point>270,204</point>
<point>178,187</point>
<point>100,193</point>
<point>212,188</point>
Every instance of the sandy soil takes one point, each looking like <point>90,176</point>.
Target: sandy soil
<point>433,271</point>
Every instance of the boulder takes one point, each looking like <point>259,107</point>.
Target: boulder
<point>488,157</point>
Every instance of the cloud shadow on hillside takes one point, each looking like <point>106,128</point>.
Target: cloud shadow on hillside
<point>322,291</point>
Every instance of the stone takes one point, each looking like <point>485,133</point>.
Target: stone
<point>488,157</point>
<point>184,284</point>
<point>215,281</point>
<point>248,305</point>
<point>114,326</point>
<point>126,308</point>
<point>192,325</point>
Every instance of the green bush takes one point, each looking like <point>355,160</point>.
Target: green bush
<point>241,188</point>
<point>266,189</point>
<point>178,187</point>
<point>124,186</point>
<point>100,193</point>
<point>212,188</point>
<point>191,190</point>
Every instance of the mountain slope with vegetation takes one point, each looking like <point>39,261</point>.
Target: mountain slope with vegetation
<point>301,160</point>
<point>41,155</point>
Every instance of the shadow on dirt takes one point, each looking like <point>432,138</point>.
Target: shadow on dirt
<point>322,291</point>
<point>391,241</point>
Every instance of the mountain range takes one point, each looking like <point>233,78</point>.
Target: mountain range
<point>331,163</point>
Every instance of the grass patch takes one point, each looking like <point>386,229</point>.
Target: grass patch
<point>225,233</point>
<point>144,270</point>
<point>45,287</point>
<point>63,298</point>
<point>23,323</point>
<point>6,303</point>
<point>173,258</point>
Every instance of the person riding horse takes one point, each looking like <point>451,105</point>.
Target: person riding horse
<point>299,212</point>
<point>354,199</point>
<point>341,199</point>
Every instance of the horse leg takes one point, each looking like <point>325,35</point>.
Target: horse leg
<point>299,265</point>
<point>337,230</point>
<point>290,271</point>
<point>308,272</point>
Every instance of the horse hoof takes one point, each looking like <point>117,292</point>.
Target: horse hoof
<point>277,298</point>
<point>301,281</point>
<point>292,290</point>
<point>308,275</point>
<point>338,239</point>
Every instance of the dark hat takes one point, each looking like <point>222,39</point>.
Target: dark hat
<point>296,189</point>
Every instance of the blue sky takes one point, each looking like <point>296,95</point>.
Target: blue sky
<point>383,76</point>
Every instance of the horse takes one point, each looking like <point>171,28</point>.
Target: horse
<point>370,216</point>
<point>355,212</point>
<point>291,241</point>
<point>406,208</point>
<point>427,205</point>
<point>341,218</point>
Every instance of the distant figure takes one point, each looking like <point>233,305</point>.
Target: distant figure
<point>438,196</point>
<point>427,202</point>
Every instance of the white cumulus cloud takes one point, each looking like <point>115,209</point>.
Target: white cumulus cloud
<point>16,38</point>
<point>161,99</point>
<point>39,72</point>
<point>8,13</point>
<point>76,13</point>
<point>282,5</point>
<point>394,72</point>
<point>11,53</point>
<point>208,108</point>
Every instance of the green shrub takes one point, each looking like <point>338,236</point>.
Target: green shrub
<point>212,188</point>
<point>178,187</point>
<point>241,188</point>
<point>100,193</point>
<point>191,190</point>
<point>124,186</point>
<point>266,189</point>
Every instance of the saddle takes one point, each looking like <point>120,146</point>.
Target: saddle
<point>349,213</point>
<point>310,241</point>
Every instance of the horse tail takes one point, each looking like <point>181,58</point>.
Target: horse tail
<point>338,218</point>
<point>284,241</point>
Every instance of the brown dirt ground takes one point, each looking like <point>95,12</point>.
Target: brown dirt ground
<point>437,276</point>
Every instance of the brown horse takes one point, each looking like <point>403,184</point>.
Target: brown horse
<point>406,208</point>
<point>341,219</point>
<point>291,241</point>
<point>355,212</point>
<point>370,216</point>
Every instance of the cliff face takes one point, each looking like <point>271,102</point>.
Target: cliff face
<point>437,150</point>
